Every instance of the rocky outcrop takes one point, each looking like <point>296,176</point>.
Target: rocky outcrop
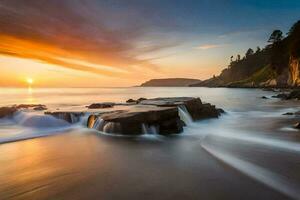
<point>294,76</point>
<point>297,125</point>
<point>194,106</point>
<point>7,111</point>
<point>131,122</point>
<point>101,105</point>
<point>158,115</point>
<point>33,106</point>
<point>131,101</point>
<point>294,94</point>
<point>280,96</point>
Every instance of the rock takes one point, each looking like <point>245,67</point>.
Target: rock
<point>194,106</point>
<point>297,125</point>
<point>38,108</point>
<point>220,110</point>
<point>288,113</point>
<point>159,114</point>
<point>294,65</point>
<point>27,106</point>
<point>130,122</point>
<point>264,97</point>
<point>71,117</point>
<point>101,105</point>
<point>7,111</point>
<point>141,99</point>
<point>131,101</point>
<point>295,94</point>
<point>281,96</point>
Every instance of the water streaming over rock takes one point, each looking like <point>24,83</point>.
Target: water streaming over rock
<point>37,120</point>
<point>99,124</point>
<point>150,130</point>
<point>111,127</point>
<point>185,115</point>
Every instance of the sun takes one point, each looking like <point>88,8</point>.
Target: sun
<point>29,81</point>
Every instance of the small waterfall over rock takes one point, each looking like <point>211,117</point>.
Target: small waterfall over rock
<point>84,119</point>
<point>111,127</point>
<point>99,124</point>
<point>38,121</point>
<point>96,122</point>
<point>74,118</point>
<point>149,129</point>
<point>184,115</point>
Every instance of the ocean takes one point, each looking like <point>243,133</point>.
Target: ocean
<point>250,152</point>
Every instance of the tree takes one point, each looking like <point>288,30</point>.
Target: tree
<point>249,52</point>
<point>276,36</point>
<point>231,59</point>
<point>294,40</point>
<point>258,49</point>
<point>295,29</point>
<point>238,57</point>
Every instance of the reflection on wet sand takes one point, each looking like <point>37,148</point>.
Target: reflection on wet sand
<point>87,165</point>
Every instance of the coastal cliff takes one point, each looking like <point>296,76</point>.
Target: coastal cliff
<point>170,82</point>
<point>294,76</point>
<point>276,65</point>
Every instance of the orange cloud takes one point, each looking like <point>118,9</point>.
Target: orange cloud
<point>72,38</point>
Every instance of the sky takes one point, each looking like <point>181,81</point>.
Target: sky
<point>120,43</point>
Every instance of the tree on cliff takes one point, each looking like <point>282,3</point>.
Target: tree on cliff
<point>249,52</point>
<point>258,49</point>
<point>279,58</point>
<point>276,36</point>
<point>295,29</point>
<point>294,40</point>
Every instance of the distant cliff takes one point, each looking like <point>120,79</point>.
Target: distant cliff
<point>170,82</point>
<point>276,65</point>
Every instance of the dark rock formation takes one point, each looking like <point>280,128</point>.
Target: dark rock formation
<point>159,114</point>
<point>7,111</point>
<point>130,121</point>
<point>170,82</point>
<point>264,97</point>
<point>295,94</point>
<point>288,113</point>
<point>131,101</point>
<point>34,106</point>
<point>140,99</point>
<point>39,108</point>
<point>194,106</point>
<point>297,125</point>
<point>281,96</point>
<point>101,105</point>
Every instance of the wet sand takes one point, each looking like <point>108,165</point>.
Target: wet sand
<point>86,165</point>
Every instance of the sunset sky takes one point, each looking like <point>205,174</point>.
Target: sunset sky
<point>110,43</point>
